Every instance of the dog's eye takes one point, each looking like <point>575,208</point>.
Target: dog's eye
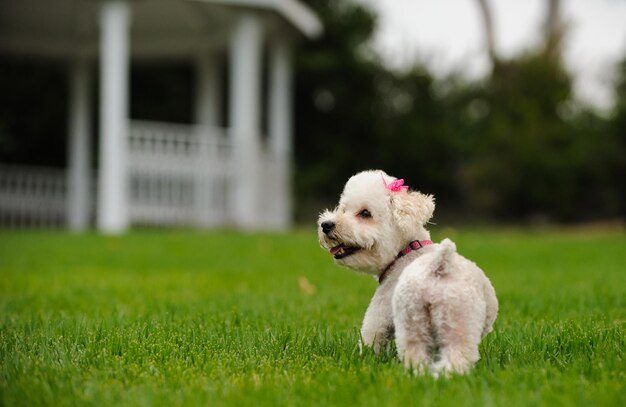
<point>365,214</point>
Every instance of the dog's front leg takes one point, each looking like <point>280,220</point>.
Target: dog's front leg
<point>378,321</point>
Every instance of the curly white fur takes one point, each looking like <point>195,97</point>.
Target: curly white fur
<point>438,304</point>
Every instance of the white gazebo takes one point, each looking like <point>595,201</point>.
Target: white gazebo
<point>163,173</point>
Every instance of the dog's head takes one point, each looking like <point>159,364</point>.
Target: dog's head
<point>375,218</point>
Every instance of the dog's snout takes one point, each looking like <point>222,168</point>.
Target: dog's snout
<point>327,226</point>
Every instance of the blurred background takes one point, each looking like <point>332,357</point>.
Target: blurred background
<point>253,114</point>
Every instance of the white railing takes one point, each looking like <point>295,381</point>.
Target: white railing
<point>179,174</point>
<point>32,196</point>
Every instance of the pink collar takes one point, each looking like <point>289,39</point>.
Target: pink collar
<point>414,245</point>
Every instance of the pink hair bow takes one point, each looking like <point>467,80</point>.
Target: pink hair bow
<point>396,186</point>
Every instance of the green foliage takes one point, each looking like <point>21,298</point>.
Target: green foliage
<point>523,163</point>
<point>353,113</point>
<point>219,319</point>
<point>543,154</point>
<point>336,100</point>
<point>616,146</point>
<point>516,146</point>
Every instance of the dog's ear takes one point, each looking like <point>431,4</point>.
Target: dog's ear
<point>411,210</point>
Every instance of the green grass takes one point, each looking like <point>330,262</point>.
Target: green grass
<point>184,318</point>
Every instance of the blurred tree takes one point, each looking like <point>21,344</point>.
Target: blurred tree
<point>353,113</point>
<point>554,29</point>
<point>537,152</point>
<point>488,29</point>
<point>616,149</point>
<point>336,103</point>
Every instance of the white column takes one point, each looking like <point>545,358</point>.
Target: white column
<point>79,147</point>
<point>208,111</point>
<point>280,130</point>
<point>245,100</point>
<point>208,91</point>
<point>114,68</point>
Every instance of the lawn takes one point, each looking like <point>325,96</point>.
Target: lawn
<point>188,318</point>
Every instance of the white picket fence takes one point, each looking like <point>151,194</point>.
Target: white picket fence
<point>177,175</point>
<point>32,197</point>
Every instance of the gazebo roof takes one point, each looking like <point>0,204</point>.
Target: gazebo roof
<point>160,28</point>
<point>295,12</point>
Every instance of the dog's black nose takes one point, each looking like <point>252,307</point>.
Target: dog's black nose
<point>327,226</point>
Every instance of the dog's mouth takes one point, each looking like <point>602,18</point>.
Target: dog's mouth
<point>341,250</point>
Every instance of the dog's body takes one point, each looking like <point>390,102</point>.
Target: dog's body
<point>438,304</point>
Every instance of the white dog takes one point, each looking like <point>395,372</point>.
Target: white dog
<point>438,304</point>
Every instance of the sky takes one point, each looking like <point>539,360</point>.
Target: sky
<point>448,36</point>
